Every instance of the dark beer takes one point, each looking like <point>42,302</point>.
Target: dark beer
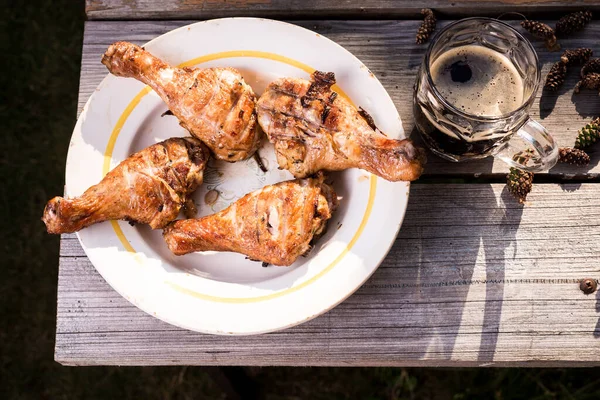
<point>477,81</point>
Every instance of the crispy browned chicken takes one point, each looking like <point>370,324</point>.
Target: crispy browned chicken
<point>213,104</point>
<point>275,224</point>
<point>315,129</point>
<point>149,187</point>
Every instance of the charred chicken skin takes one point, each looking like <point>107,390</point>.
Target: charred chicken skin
<point>275,224</point>
<point>214,104</point>
<point>314,129</point>
<point>149,187</point>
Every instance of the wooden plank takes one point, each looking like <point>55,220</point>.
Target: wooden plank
<point>204,9</point>
<point>473,279</point>
<point>387,48</point>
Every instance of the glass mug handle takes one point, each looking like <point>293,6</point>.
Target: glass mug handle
<point>531,148</point>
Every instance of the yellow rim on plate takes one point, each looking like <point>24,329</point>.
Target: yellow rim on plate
<point>199,60</point>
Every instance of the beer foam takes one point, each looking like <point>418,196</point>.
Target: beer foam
<point>478,80</point>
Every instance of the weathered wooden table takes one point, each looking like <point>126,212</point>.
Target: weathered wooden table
<point>473,278</point>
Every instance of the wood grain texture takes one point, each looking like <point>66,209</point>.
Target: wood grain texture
<point>203,9</point>
<point>387,48</point>
<point>473,279</point>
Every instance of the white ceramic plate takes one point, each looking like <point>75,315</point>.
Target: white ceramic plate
<point>223,293</point>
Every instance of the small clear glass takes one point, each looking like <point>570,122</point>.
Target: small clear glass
<point>457,135</point>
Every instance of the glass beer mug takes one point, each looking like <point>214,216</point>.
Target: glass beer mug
<point>473,94</point>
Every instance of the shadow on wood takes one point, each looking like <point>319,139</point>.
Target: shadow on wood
<point>587,103</point>
<point>476,254</point>
<point>486,239</point>
<point>508,217</point>
<point>549,98</point>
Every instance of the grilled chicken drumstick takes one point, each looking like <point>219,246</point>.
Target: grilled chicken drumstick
<point>315,129</point>
<point>213,104</point>
<point>149,187</point>
<point>274,224</point>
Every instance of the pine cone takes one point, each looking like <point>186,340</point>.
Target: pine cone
<point>590,81</point>
<point>538,29</point>
<point>556,76</point>
<point>542,31</point>
<point>519,183</point>
<point>427,26</point>
<point>588,135</point>
<point>573,156</point>
<point>576,56</point>
<point>573,22</point>
<point>592,65</point>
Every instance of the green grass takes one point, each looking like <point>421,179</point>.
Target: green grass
<point>41,43</point>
